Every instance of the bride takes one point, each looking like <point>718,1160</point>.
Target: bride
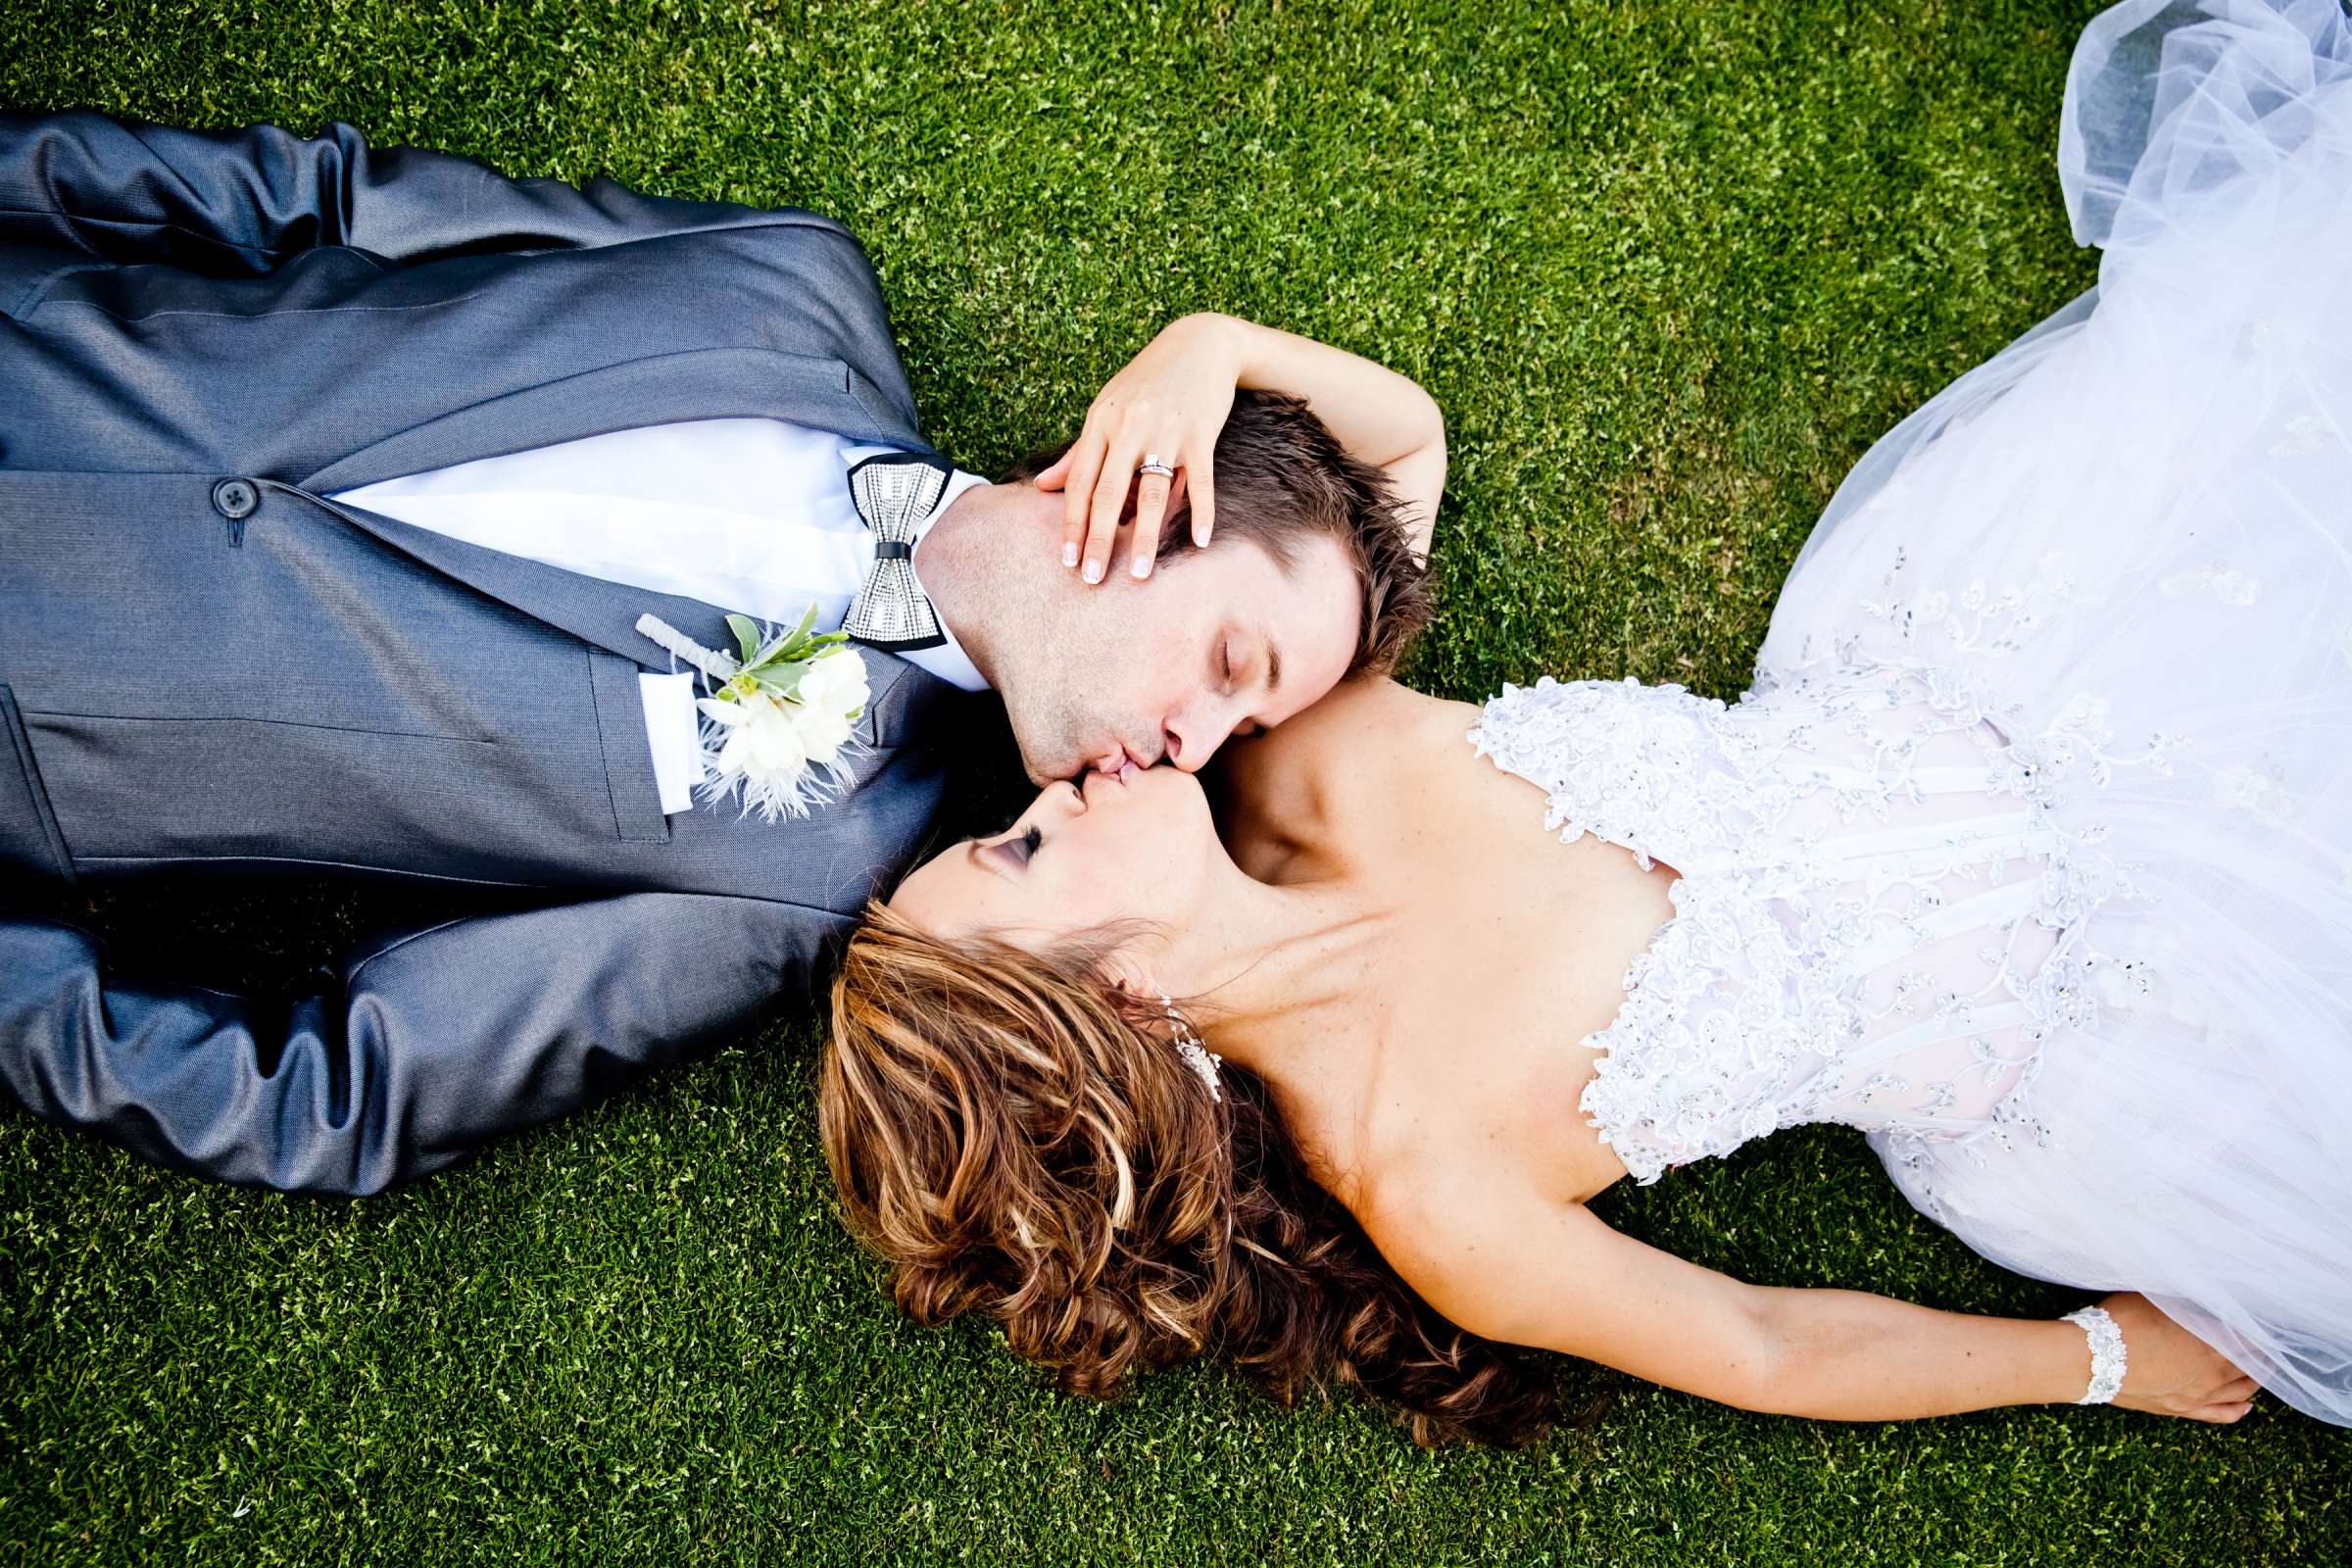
<point>2029,852</point>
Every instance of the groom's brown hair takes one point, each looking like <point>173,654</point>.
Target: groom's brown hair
<point>1282,476</point>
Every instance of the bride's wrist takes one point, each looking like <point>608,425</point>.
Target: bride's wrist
<point>2056,1369</point>
<point>1230,338</point>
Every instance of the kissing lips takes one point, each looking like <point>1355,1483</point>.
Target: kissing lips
<point>1121,762</point>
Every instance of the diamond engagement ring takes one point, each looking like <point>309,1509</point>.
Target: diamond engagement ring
<point>1154,464</point>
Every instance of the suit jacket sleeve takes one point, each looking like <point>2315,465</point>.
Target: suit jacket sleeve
<point>438,1038</point>
<point>237,203</point>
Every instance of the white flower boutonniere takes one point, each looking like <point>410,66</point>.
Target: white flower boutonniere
<point>776,725</point>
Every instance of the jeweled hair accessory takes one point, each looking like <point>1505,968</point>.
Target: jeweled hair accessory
<point>1196,1056</point>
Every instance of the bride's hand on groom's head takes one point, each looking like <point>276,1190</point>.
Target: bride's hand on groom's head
<point>1166,407</point>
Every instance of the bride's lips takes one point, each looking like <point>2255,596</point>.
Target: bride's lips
<point>1122,776</point>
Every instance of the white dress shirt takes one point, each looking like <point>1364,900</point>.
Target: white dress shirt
<point>746,514</point>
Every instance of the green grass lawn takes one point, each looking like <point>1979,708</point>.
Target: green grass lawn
<point>1667,268</point>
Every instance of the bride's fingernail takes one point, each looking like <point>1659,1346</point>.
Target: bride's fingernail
<point>1069,554</point>
<point>1093,571</point>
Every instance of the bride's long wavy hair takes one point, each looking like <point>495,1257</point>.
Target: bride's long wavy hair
<point>1016,1136</point>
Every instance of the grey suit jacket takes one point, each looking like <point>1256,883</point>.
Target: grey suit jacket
<point>205,664</point>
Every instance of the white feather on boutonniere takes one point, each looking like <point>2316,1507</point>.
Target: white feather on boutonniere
<point>777,722</point>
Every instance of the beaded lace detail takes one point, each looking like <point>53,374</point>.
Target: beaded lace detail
<point>2107,1359</point>
<point>1877,920</point>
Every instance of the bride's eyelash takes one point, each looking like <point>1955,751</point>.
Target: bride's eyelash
<point>1029,842</point>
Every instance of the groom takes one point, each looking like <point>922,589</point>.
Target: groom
<point>333,485</point>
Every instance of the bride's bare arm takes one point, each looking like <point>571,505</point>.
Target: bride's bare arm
<point>1524,1270</point>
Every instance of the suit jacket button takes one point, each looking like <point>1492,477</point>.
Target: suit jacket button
<point>235,499</point>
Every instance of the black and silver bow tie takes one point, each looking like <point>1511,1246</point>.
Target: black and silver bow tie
<point>894,494</point>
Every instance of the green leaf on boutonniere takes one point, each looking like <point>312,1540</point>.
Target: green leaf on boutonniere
<point>746,635</point>
<point>777,655</point>
<point>783,679</point>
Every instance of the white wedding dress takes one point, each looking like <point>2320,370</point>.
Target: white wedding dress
<point>2030,849</point>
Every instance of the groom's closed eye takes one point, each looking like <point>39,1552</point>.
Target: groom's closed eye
<point>1235,662</point>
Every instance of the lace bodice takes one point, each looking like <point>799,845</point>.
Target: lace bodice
<point>1877,921</point>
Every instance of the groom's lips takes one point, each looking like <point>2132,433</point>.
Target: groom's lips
<point>1117,759</point>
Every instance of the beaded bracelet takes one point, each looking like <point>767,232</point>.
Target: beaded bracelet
<point>2106,1352</point>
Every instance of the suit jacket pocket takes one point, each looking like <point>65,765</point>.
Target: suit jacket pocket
<point>629,755</point>
<point>30,840</point>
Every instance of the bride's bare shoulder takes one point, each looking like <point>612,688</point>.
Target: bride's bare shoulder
<point>1367,742</point>
<point>1374,711</point>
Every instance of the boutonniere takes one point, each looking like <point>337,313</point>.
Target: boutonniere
<point>777,720</point>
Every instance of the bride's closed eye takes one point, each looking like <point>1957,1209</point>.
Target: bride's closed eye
<point>1019,849</point>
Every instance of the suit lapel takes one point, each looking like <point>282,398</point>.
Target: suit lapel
<point>597,611</point>
<point>665,389</point>
<point>591,608</point>
<point>698,384</point>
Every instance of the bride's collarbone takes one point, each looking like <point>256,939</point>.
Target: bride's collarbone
<point>1501,949</point>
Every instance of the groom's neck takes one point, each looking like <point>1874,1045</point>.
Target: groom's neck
<point>965,563</point>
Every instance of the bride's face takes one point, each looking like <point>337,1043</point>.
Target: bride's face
<point>1136,845</point>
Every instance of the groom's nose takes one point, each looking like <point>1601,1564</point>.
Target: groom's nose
<point>1192,734</point>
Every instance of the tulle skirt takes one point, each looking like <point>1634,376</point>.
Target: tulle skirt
<point>2146,503</point>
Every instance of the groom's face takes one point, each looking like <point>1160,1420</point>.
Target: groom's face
<point>1215,641</point>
